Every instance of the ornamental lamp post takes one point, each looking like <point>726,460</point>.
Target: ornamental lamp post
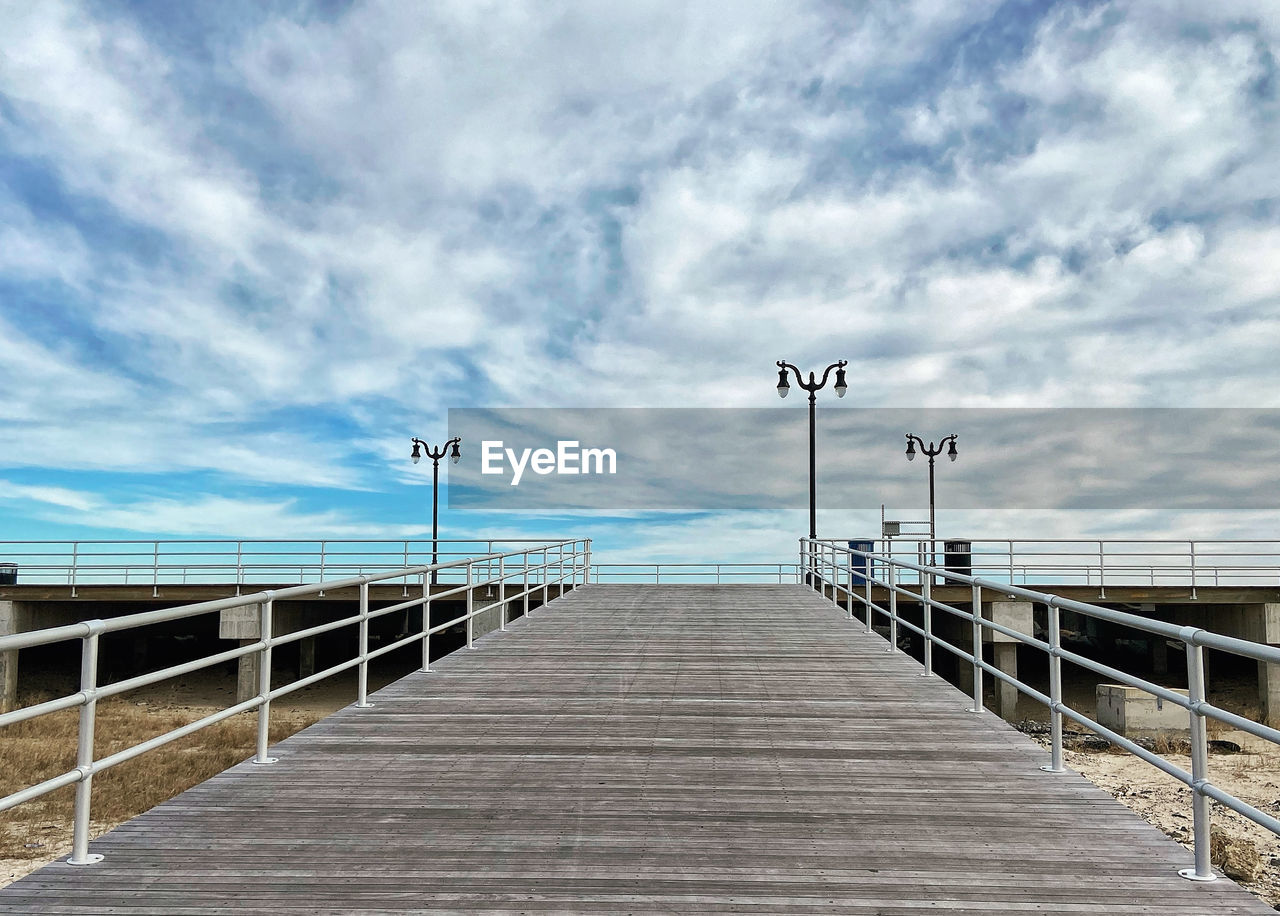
<point>931,452</point>
<point>813,386</point>
<point>435,455</point>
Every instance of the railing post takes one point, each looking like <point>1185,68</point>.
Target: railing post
<point>75,552</point>
<point>546,577</point>
<point>893,608</point>
<point>1102,571</point>
<point>502,593</point>
<point>155,571</point>
<point>848,568</point>
<point>265,631</point>
<point>362,689</point>
<point>1199,760</point>
<point>866,580</point>
<point>470,602</point>
<point>524,581</point>
<point>1055,693</point>
<point>426,622</point>
<point>1193,568</point>
<point>322,553</point>
<point>80,854</point>
<point>239,566</point>
<point>977,648</point>
<point>833,571</point>
<point>926,593</point>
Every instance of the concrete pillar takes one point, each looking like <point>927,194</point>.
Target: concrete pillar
<point>1006,659</point>
<point>1262,624</point>
<point>1159,655</point>
<point>15,617</point>
<point>245,625</point>
<point>1016,615</point>
<point>247,673</point>
<point>1157,646</point>
<point>306,657</point>
<point>486,621</point>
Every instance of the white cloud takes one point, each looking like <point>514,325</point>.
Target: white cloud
<point>53,496</point>
<point>346,224</point>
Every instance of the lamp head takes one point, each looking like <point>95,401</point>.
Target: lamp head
<point>951,452</point>
<point>911,449</point>
<point>783,385</point>
<point>841,387</point>
<point>455,455</point>
<point>417,455</point>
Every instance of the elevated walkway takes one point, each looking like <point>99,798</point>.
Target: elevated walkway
<point>647,749</point>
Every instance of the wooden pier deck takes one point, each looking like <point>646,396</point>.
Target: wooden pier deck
<point>647,749</point>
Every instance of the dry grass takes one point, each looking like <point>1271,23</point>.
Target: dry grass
<point>40,830</point>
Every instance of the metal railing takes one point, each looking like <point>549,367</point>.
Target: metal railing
<point>696,573</point>
<point>539,569</point>
<point>221,562</point>
<point>852,573</point>
<point>1100,563</point>
<point>1081,562</point>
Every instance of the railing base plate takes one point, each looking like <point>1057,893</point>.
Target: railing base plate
<point>265,761</point>
<point>92,858</point>
<point>1190,875</point>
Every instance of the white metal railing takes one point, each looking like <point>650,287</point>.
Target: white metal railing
<point>1082,562</point>
<point>531,570</point>
<point>1098,563</point>
<point>694,573</point>
<point>221,561</point>
<point>852,573</point>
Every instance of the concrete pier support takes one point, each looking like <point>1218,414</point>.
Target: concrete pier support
<point>247,674</point>
<point>15,617</point>
<point>1006,659</point>
<point>1016,615</point>
<point>245,625</point>
<point>306,657</point>
<point>489,620</point>
<point>1262,624</point>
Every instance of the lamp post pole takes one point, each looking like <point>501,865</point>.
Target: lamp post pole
<point>931,452</point>
<point>435,454</point>
<point>813,386</point>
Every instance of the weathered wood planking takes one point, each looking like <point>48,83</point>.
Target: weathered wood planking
<point>647,749</point>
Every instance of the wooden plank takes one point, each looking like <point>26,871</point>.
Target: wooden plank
<point>656,749</point>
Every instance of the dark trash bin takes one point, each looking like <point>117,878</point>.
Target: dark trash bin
<point>957,556</point>
<point>8,573</point>
<point>861,566</point>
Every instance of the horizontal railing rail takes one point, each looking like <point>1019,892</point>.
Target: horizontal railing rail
<point>694,573</point>
<point>851,573</point>
<point>513,576</point>
<point>1093,563</point>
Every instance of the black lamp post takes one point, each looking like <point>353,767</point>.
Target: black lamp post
<point>813,387</point>
<point>435,454</point>
<point>931,452</point>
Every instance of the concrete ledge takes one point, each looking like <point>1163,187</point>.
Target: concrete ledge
<point>1132,712</point>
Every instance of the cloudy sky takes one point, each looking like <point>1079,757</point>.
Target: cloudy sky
<point>247,249</point>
